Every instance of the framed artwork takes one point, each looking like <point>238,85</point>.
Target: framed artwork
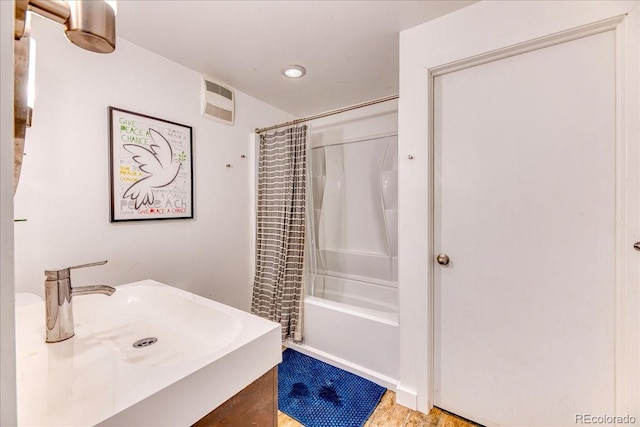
<point>151,167</point>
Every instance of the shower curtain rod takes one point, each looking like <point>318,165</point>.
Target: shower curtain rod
<point>329,113</point>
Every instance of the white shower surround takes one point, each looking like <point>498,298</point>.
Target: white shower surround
<point>354,197</point>
<point>352,319</point>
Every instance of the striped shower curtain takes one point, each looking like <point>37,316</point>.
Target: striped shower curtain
<point>278,284</point>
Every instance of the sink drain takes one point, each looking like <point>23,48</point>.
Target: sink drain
<point>145,342</point>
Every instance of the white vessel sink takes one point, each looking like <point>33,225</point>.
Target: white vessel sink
<point>185,329</point>
<point>205,353</point>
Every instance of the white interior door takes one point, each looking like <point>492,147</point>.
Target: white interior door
<point>525,204</point>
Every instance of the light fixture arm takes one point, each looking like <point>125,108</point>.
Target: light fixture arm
<point>20,19</point>
<point>56,10</point>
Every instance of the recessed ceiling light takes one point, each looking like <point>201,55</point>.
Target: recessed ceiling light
<point>294,71</point>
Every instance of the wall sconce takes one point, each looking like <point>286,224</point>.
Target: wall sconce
<point>89,24</point>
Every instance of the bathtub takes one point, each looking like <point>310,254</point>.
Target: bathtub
<point>353,326</point>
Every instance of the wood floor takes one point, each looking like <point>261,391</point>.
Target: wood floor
<point>389,414</point>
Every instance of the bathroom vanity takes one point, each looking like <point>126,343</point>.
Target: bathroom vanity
<point>191,356</point>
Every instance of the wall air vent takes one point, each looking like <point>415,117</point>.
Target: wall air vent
<point>217,102</point>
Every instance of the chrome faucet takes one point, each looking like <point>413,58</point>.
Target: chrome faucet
<point>58,300</point>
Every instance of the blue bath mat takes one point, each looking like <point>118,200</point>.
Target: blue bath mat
<point>320,395</point>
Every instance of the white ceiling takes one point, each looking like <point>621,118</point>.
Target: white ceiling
<point>350,48</point>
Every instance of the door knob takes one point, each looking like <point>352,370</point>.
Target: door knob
<point>443,259</point>
<point>636,246</point>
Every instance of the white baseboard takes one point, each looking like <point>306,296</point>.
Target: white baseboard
<point>407,397</point>
<point>376,377</point>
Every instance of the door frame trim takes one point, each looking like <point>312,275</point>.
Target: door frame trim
<point>528,46</point>
<point>625,168</point>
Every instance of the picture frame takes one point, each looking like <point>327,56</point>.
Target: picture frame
<point>151,167</point>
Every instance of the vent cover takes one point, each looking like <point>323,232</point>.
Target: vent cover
<point>217,102</point>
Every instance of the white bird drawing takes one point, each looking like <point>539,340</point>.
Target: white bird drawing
<point>158,162</point>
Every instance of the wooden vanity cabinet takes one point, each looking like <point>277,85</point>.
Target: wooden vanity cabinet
<point>255,405</point>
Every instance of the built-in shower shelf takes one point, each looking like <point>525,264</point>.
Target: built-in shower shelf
<point>373,267</point>
<point>361,279</point>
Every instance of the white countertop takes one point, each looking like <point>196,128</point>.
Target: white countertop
<point>83,382</point>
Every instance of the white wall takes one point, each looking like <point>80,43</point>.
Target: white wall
<point>64,191</point>
<point>7,346</point>
<point>422,48</point>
